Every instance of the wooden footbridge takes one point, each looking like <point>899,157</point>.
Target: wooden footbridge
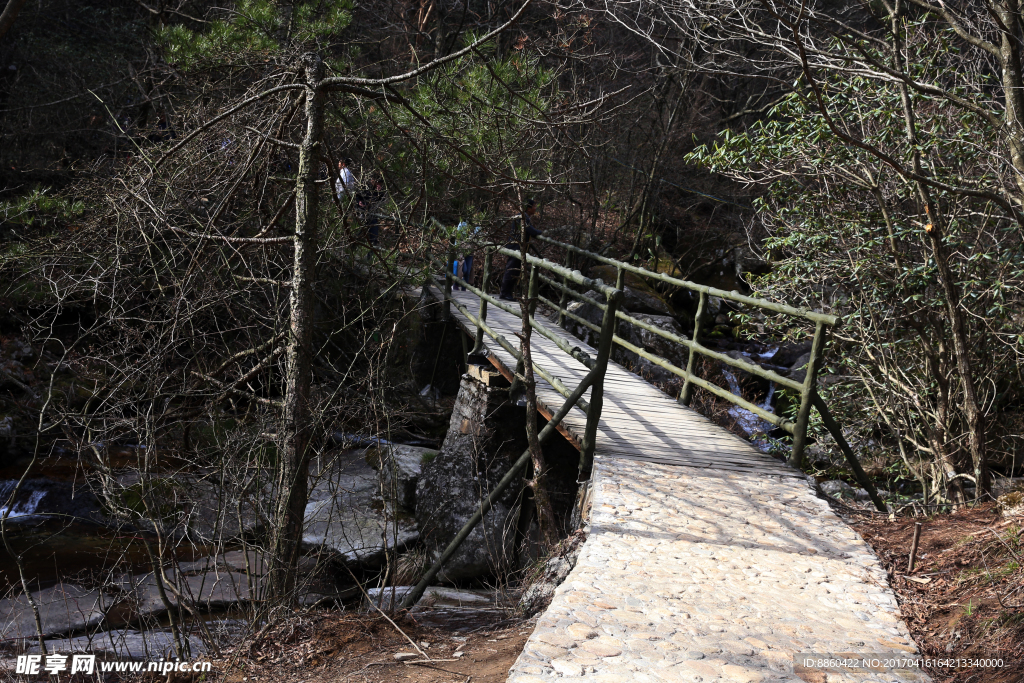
<point>605,410</point>
<point>637,421</point>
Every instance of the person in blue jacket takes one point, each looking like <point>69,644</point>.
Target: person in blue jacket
<point>460,237</point>
<point>513,266</point>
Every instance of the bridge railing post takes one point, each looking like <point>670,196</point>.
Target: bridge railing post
<point>478,342</point>
<point>687,392</point>
<point>449,265</point>
<point>562,301</point>
<point>796,458</point>
<point>604,349</point>
<point>531,306</point>
<point>533,290</point>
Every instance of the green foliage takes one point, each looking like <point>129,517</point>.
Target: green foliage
<point>72,61</point>
<point>849,236</point>
<point>257,27</point>
<point>477,111</point>
<point>41,207</point>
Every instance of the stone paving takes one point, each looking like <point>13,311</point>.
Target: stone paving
<point>702,575</point>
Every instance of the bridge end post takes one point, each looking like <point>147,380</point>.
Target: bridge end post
<point>796,458</point>
<point>478,342</point>
<point>604,349</point>
<point>687,392</point>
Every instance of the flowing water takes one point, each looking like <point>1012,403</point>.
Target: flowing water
<point>18,508</point>
<point>755,428</point>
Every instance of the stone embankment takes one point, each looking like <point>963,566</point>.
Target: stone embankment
<point>698,575</point>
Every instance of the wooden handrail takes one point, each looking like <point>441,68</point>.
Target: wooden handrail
<point>805,389</point>
<point>752,368</point>
<point>813,316</point>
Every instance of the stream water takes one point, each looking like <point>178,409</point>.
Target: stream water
<point>756,428</point>
<point>21,508</point>
<point>54,524</point>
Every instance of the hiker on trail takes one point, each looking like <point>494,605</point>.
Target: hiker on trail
<point>513,266</point>
<point>346,182</point>
<point>464,263</point>
<point>366,203</point>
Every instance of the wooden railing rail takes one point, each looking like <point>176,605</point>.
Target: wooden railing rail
<point>807,389</point>
<point>597,364</point>
<point>813,316</point>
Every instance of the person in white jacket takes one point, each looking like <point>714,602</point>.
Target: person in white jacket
<point>346,182</point>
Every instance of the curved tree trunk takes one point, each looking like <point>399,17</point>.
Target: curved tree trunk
<point>9,15</point>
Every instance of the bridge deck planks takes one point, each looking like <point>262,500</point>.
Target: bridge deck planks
<point>638,421</point>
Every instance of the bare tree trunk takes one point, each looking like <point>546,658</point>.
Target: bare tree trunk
<point>961,350</point>
<point>950,291</point>
<point>1008,13</point>
<point>294,432</point>
<point>538,484</point>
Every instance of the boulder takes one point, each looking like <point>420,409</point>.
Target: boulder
<point>433,597</point>
<point>649,341</point>
<point>838,489</point>
<point>798,370</point>
<point>1001,485</point>
<point>637,300</point>
<point>485,437</point>
<point>345,514</point>
<point>209,590</point>
<point>252,562</point>
<point>1011,504</point>
<point>18,349</point>
<point>655,343</point>
<point>588,312</point>
<point>787,355</point>
<point>14,376</point>
<point>638,296</point>
<point>64,608</point>
<point>727,267</point>
<point>652,343</point>
<point>399,466</point>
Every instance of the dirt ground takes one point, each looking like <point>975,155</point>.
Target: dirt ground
<point>329,647</point>
<point>963,601</point>
<point>965,598</point>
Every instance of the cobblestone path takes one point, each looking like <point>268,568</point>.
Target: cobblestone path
<point>705,575</point>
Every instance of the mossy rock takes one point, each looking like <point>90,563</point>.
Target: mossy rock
<point>640,297</point>
<point>665,263</point>
<point>1012,504</point>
